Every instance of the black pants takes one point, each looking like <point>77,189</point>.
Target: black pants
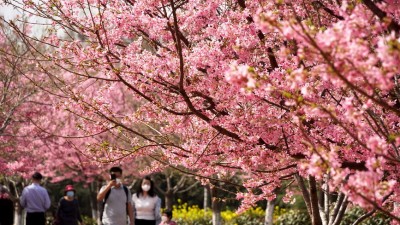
<point>36,218</point>
<point>144,222</point>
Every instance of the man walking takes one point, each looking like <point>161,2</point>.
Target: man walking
<point>35,200</point>
<point>116,200</point>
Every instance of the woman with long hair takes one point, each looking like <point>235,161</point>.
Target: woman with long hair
<point>146,204</point>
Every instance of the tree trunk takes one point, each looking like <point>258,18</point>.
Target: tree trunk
<point>169,196</point>
<point>99,205</point>
<point>325,200</point>
<point>304,192</point>
<point>216,206</point>
<point>269,212</point>
<point>18,214</point>
<point>20,218</point>
<point>205,199</point>
<point>216,212</point>
<point>93,199</point>
<point>315,217</point>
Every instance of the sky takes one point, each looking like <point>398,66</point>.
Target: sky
<point>8,12</point>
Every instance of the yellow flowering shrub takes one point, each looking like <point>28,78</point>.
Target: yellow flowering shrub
<point>252,216</point>
<point>228,215</point>
<point>193,215</point>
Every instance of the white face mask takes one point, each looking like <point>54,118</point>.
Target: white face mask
<point>118,181</point>
<point>164,219</point>
<point>145,187</point>
<point>70,194</point>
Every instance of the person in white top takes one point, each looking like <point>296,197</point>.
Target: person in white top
<point>146,204</point>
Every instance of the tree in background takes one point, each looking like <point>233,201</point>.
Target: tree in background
<point>19,101</point>
<point>35,135</point>
<point>279,90</point>
<point>170,183</point>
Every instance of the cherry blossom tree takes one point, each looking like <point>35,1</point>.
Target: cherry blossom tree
<point>305,91</point>
<point>174,183</point>
<point>35,135</point>
<point>21,100</point>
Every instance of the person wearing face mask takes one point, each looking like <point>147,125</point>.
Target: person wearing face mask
<point>68,212</point>
<point>146,204</point>
<point>116,199</point>
<point>166,218</point>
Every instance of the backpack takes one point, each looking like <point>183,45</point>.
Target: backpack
<point>105,199</point>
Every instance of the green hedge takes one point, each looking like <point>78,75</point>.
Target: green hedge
<point>292,217</point>
<point>354,213</point>
<point>296,217</point>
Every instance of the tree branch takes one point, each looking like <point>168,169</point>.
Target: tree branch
<point>393,26</point>
<point>341,211</point>
<point>363,217</point>
<point>315,216</point>
<point>304,191</point>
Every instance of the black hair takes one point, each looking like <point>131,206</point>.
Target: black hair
<point>37,176</point>
<point>151,192</point>
<point>116,169</point>
<point>168,213</point>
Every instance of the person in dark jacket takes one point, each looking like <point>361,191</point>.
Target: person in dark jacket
<point>7,207</point>
<point>68,212</point>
